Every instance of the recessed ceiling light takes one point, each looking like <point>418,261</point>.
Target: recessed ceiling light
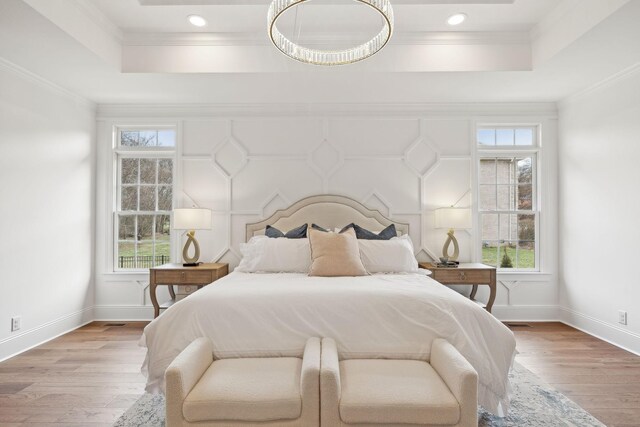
<point>456,19</point>
<point>197,20</point>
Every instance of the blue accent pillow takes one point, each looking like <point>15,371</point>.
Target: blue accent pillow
<point>296,233</point>
<point>317,227</point>
<point>363,233</point>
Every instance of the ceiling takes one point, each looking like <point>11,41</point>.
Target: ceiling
<point>144,51</point>
<point>131,16</point>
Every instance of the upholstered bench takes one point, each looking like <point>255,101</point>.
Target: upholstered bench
<point>270,391</point>
<point>376,392</point>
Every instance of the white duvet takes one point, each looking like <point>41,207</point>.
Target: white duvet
<point>377,316</point>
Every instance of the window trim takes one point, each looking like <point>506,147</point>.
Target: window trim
<point>119,152</point>
<point>508,148</point>
<point>506,151</point>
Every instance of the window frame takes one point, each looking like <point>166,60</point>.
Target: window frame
<point>495,152</point>
<point>120,152</point>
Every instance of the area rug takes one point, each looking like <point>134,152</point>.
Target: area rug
<point>533,404</point>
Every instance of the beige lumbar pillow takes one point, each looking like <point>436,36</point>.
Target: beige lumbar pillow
<point>335,254</point>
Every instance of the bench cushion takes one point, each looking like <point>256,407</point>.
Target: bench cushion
<point>260,389</point>
<point>395,392</point>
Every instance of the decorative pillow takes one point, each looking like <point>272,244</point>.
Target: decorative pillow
<point>363,233</point>
<point>335,254</point>
<point>388,256</point>
<point>264,255</point>
<point>317,227</point>
<point>296,233</point>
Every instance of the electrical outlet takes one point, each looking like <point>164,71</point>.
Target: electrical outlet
<point>16,323</point>
<point>622,317</point>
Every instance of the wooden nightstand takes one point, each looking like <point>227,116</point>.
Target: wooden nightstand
<point>176,274</point>
<point>467,274</point>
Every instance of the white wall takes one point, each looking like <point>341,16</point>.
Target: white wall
<point>600,209</point>
<point>47,151</point>
<point>404,161</point>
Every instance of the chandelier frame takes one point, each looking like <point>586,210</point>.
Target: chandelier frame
<point>330,57</point>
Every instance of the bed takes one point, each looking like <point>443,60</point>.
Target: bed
<point>375,316</point>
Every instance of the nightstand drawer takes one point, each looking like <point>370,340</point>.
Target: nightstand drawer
<point>457,276</point>
<point>188,277</point>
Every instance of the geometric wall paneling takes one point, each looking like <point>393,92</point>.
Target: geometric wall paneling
<point>231,257</point>
<point>414,221</point>
<point>246,166</point>
<point>199,137</point>
<point>274,202</point>
<point>423,255</point>
<point>373,137</point>
<point>447,181</point>
<point>238,227</point>
<point>262,176</point>
<point>358,177</point>
<point>214,242</point>
<point>278,136</point>
<point>375,201</point>
<point>522,293</point>
<point>230,156</point>
<point>421,156</point>
<point>325,159</point>
<point>450,137</point>
<point>205,184</point>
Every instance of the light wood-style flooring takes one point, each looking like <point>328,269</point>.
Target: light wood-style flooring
<point>90,376</point>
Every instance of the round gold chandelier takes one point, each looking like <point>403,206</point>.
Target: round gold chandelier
<point>329,57</point>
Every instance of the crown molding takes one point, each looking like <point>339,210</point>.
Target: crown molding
<point>266,2</point>
<point>177,111</point>
<point>261,39</point>
<point>47,84</point>
<point>93,13</point>
<point>600,86</point>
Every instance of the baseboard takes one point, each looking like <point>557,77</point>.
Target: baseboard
<point>608,332</point>
<point>526,313</point>
<point>30,338</point>
<point>123,312</point>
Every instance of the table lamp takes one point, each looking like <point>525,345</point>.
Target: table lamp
<point>452,218</point>
<point>191,219</point>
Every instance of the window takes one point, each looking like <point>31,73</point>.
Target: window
<point>144,199</point>
<point>508,197</point>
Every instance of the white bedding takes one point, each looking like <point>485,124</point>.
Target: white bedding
<point>385,316</point>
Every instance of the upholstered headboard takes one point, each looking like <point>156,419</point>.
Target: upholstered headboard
<point>328,211</point>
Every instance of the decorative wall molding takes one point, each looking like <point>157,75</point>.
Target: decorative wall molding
<point>324,39</point>
<point>428,111</point>
<point>266,2</point>
<point>245,162</point>
<point>46,84</point>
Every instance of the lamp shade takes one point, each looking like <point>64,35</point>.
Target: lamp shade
<point>459,218</point>
<point>192,219</point>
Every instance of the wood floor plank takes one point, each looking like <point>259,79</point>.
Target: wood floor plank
<point>90,376</point>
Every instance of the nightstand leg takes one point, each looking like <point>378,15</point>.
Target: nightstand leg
<point>172,292</point>
<point>492,293</point>
<point>474,289</point>
<point>154,299</point>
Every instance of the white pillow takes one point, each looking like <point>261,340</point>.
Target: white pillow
<point>388,256</point>
<point>264,254</point>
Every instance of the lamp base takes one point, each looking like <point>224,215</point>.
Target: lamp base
<point>445,249</point>
<point>191,261</point>
<point>191,264</point>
